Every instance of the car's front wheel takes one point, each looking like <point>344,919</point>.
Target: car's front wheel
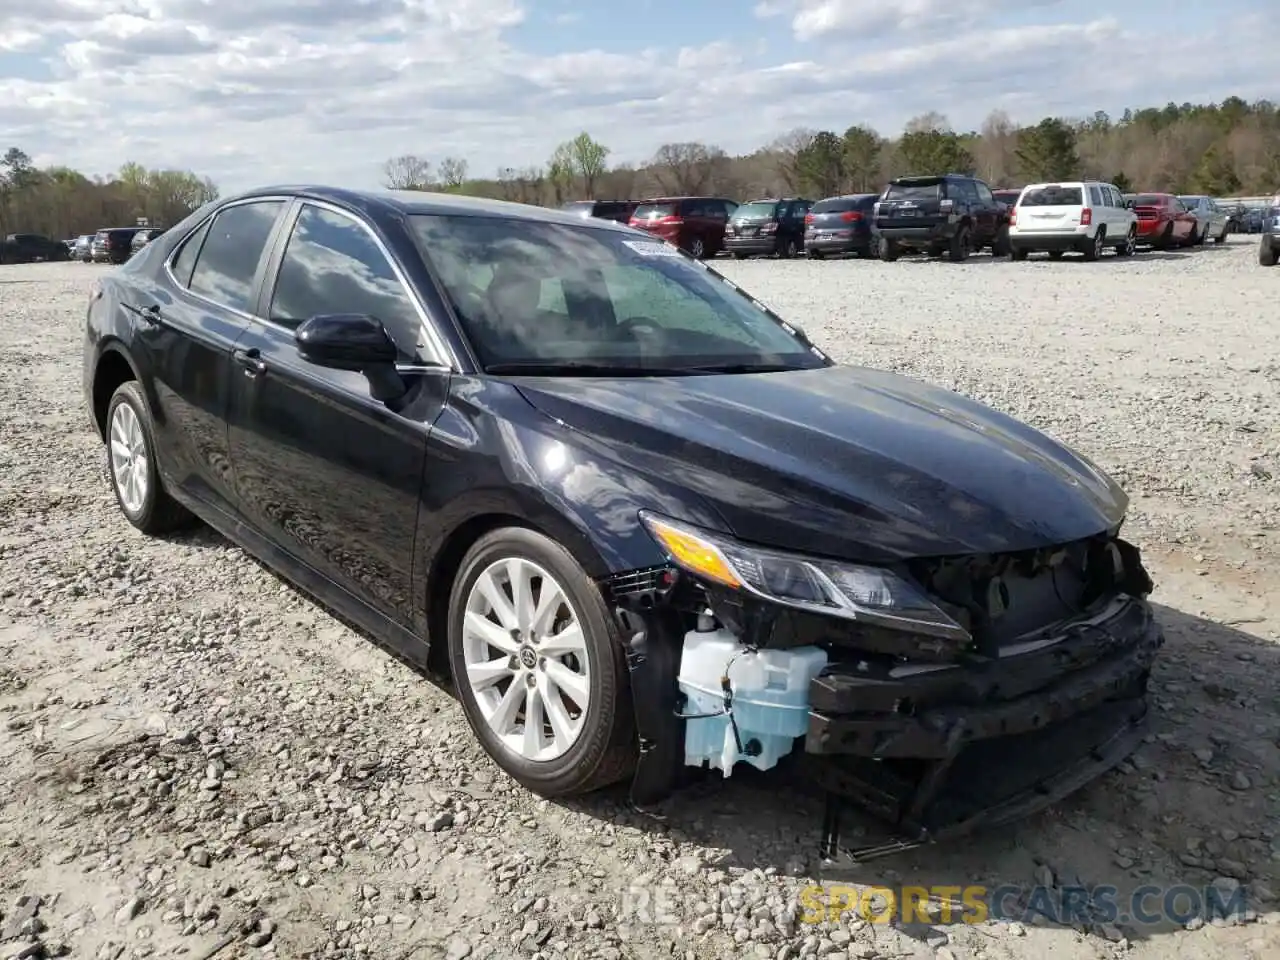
<point>538,661</point>
<point>131,463</point>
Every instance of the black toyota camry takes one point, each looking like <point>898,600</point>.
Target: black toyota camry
<point>640,522</point>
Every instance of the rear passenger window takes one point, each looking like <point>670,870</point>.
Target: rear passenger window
<point>186,258</point>
<point>228,261</point>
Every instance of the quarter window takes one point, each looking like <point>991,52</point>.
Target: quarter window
<point>186,258</point>
<point>228,260</point>
<point>333,265</point>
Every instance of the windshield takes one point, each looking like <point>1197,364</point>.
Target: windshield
<point>546,294</point>
<point>1053,196</point>
<point>1148,200</point>
<point>650,211</point>
<point>763,208</point>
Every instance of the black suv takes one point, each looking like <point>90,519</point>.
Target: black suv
<point>774,225</point>
<point>617,210</point>
<point>954,213</point>
<point>30,247</point>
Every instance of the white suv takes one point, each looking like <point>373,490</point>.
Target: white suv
<point>1086,216</point>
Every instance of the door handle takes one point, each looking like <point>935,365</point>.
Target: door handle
<point>151,315</point>
<point>252,361</point>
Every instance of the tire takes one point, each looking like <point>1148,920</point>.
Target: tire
<point>698,248</point>
<point>1222,237</point>
<point>1130,245</point>
<point>958,249</point>
<point>147,505</point>
<point>738,256</point>
<point>1019,253</point>
<point>1268,256</point>
<point>814,254</point>
<point>1000,246</point>
<point>1166,238</point>
<point>604,749</point>
<point>889,251</point>
<point>1099,243</point>
<point>787,249</point>
<point>1055,254</point>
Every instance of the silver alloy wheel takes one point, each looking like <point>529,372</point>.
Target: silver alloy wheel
<point>1131,243</point>
<point>697,248</point>
<point>526,659</point>
<point>129,458</point>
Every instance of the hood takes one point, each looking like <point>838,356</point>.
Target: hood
<point>842,461</point>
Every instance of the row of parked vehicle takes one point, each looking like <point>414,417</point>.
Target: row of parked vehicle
<point>952,215</point>
<point>109,245</point>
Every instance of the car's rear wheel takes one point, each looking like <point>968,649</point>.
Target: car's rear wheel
<point>787,249</point>
<point>958,251</point>
<point>814,254</point>
<point>1268,256</point>
<point>697,248</point>
<point>889,250</point>
<point>1093,249</point>
<point>1055,254</point>
<point>538,661</point>
<point>131,462</point>
<point>1222,237</point>
<point>1000,245</point>
<point>1020,253</point>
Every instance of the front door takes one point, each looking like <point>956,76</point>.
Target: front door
<point>326,472</point>
<point>187,342</point>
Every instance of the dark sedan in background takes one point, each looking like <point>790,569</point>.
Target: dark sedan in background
<point>582,477</point>
<point>841,225</point>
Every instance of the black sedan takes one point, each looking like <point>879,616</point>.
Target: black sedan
<point>637,519</point>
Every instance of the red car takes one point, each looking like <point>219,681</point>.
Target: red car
<point>1163,221</point>
<point>694,224</point>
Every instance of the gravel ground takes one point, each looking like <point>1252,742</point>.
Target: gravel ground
<point>195,760</point>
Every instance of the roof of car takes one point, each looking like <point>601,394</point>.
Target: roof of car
<point>426,202</point>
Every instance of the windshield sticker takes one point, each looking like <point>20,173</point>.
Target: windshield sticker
<point>647,248</point>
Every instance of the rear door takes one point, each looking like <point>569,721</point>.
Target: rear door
<point>1053,208</point>
<point>327,473</point>
<point>187,340</point>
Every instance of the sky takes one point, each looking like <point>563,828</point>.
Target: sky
<point>253,92</point>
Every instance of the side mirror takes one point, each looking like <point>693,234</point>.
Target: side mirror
<point>355,342</point>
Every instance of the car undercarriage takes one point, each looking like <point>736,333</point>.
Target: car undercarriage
<point>937,736</point>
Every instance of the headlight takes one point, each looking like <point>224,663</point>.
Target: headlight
<point>865,594</point>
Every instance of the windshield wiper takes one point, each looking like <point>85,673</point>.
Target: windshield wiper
<point>552,368</point>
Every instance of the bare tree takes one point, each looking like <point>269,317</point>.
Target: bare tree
<point>787,150</point>
<point>406,172</point>
<point>452,172</point>
<point>995,153</point>
<point>688,168</point>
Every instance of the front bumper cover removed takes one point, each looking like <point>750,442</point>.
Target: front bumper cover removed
<point>948,751</point>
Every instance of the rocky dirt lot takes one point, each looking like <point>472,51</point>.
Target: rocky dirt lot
<point>196,761</point>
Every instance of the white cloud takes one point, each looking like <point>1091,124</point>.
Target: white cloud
<point>257,91</point>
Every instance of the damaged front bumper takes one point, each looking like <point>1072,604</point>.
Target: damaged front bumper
<point>943,751</point>
<point>937,741</point>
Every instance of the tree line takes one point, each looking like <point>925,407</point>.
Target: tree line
<point>1221,149</point>
<point>60,202</point>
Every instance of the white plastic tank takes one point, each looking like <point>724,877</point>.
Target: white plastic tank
<point>769,699</point>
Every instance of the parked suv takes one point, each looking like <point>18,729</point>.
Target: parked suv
<point>841,225</point>
<point>774,225</point>
<point>1269,245</point>
<point>694,224</point>
<point>1211,219</point>
<point>113,244</point>
<point>1086,216</point>
<point>30,247</point>
<point>143,237</point>
<point>954,213</point>
<point>618,210</point>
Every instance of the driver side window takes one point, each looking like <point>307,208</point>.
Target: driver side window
<point>332,265</point>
